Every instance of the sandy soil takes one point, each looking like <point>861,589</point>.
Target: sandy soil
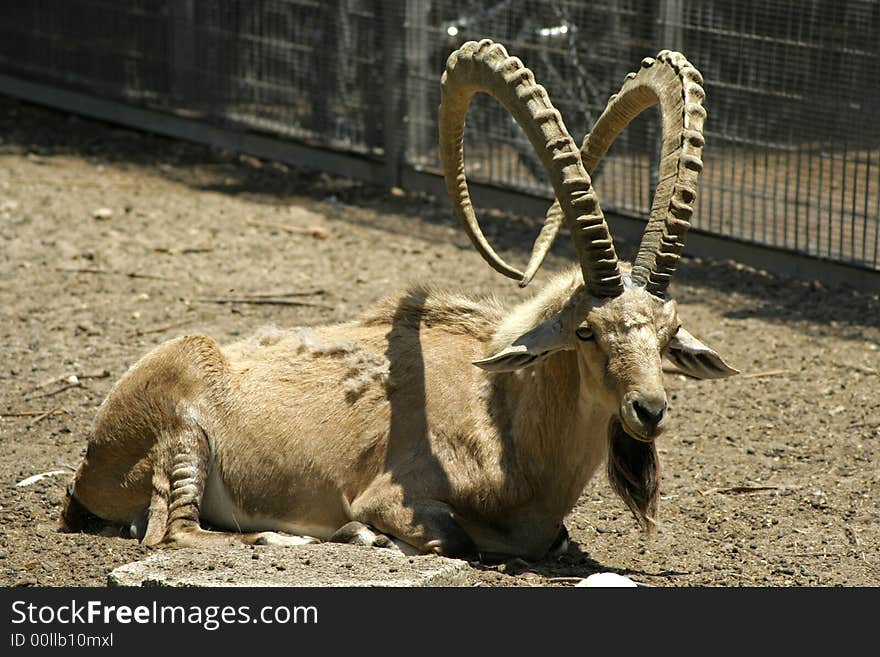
<point>114,241</point>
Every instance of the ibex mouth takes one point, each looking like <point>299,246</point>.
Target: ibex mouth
<point>643,415</point>
<point>638,433</point>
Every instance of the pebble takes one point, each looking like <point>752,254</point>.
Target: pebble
<point>606,580</point>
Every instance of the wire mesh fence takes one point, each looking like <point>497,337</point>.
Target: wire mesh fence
<point>793,148</point>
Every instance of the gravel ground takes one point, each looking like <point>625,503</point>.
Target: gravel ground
<point>114,241</point>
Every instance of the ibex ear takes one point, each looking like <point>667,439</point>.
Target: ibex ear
<point>696,359</point>
<point>529,348</point>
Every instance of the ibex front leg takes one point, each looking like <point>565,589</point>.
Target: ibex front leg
<point>425,524</point>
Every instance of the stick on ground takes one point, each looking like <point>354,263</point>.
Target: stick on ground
<point>269,302</point>
<point>38,414</point>
<point>312,231</point>
<point>160,328</point>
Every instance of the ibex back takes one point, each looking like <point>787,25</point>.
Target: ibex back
<point>382,431</point>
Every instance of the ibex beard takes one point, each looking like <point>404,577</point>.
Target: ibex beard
<point>381,431</point>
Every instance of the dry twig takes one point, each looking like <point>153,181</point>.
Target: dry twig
<point>186,250</point>
<point>268,302</point>
<point>312,231</point>
<point>38,414</point>
<point>99,374</point>
<point>281,295</point>
<point>52,393</point>
<point>756,375</point>
<point>70,381</point>
<point>95,270</point>
<point>42,417</point>
<point>159,329</point>
<point>739,490</point>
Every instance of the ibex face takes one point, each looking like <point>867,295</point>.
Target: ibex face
<point>619,347</point>
<point>619,343</point>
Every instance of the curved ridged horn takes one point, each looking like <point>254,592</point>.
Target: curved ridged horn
<point>486,67</point>
<point>676,85</point>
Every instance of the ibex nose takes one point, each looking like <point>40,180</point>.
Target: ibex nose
<point>646,412</point>
<point>650,414</point>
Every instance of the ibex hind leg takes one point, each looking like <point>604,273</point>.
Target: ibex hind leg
<point>178,488</point>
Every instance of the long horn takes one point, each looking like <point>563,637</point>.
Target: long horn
<point>676,85</point>
<point>486,67</point>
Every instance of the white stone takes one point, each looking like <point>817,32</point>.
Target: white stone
<point>607,580</point>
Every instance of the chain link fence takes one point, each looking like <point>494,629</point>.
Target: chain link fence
<point>793,143</point>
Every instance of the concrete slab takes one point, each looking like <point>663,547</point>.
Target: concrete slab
<point>325,564</point>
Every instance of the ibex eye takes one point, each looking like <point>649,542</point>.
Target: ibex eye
<point>584,333</point>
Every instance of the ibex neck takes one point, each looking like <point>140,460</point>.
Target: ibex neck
<point>558,433</point>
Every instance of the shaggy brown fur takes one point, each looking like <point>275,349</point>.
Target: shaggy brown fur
<point>454,312</point>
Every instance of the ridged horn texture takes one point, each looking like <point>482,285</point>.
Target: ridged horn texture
<point>676,85</point>
<point>486,67</point>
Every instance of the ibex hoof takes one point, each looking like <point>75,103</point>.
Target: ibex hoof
<point>357,533</point>
<point>138,527</point>
<point>560,544</point>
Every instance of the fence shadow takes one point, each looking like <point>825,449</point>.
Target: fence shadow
<point>780,299</point>
<point>33,130</point>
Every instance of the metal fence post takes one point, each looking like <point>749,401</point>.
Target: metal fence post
<point>394,24</point>
<point>418,122</point>
<point>670,36</point>
<point>671,29</point>
<point>183,49</point>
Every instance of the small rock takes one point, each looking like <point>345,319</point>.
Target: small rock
<point>316,232</point>
<point>606,580</point>
<point>88,328</point>
<point>251,161</point>
<point>102,214</point>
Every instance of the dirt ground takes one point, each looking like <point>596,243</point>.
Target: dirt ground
<point>114,241</point>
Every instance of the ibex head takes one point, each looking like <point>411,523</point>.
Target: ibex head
<point>616,317</point>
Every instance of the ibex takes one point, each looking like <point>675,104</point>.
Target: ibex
<point>380,430</point>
